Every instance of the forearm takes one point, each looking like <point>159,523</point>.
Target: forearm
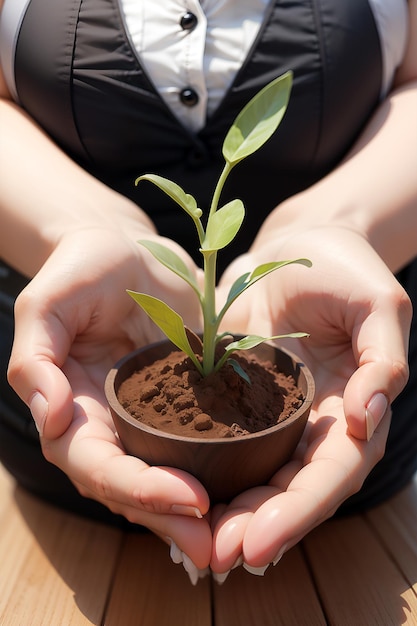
<point>373,191</point>
<point>44,194</point>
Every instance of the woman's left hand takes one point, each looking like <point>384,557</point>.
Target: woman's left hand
<point>358,318</point>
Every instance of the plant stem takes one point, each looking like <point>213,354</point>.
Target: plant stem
<point>200,229</point>
<point>211,321</point>
<point>209,312</point>
<point>220,184</point>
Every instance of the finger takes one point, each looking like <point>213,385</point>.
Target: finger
<point>230,527</point>
<point>165,500</point>
<point>215,514</point>
<point>380,343</point>
<point>229,523</point>
<point>191,536</point>
<point>121,482</point>
<point>336,470</point>
<point>150,506</point>
<point>91,455</point>
<point>40,345</point>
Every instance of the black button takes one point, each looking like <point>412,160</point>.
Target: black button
<point>197,158</point>
<point>189,97</point>
<point>188,21</point>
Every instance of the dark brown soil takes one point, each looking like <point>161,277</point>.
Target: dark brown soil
<point>170,395</point>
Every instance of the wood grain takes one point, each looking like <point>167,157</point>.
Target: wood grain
<point>60,570</point>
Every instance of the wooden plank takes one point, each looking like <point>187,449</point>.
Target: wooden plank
<point>149,590</point>
<point>284,596</point>
<point>396,524</point>
<point>7,485</point>
<point>357,581</point>
<point>15,543</point>
<point>56,568</point>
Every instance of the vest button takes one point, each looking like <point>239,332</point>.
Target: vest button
<point>189,97</point>
<point>197,158</point>
<point>188,21</point>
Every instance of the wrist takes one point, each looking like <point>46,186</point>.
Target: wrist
<point>309,211</point>
<point>373,191</point>
<point>388,224</point>
<point>40,204</point>
<point>31,242</point>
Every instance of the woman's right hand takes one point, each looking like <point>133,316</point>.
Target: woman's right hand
<point>73,321</point>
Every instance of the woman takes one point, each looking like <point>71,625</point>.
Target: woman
<point>97,92</point>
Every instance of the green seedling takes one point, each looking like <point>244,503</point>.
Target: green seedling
<point>254,125</point>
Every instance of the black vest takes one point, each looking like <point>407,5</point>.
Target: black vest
<point>79,77</point>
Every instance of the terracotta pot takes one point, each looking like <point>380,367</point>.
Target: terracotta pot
<point>226,466</point>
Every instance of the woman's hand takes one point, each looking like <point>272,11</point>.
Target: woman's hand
<point>73,321</point>
<point>358,319</point>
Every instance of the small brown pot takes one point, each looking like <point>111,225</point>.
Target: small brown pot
<point>226,466</point>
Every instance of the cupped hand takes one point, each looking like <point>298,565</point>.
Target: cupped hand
<point>358,318</point>
<point>73,322</point>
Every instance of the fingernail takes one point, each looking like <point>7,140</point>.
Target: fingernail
<point>192,570</point>
<point>374,412</point>
<point>183,509</point>
<point>175,553</point>
<point>220,578</point>
<point>280,554</point>
<point>257,571</point>
<point>202,573</point>
<point>238,562</point>
<point>39,409</point>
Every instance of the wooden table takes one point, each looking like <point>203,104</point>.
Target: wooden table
<point>60,570</point>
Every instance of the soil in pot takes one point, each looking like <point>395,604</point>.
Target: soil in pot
<point>227,452</point>
<point>170,395</point>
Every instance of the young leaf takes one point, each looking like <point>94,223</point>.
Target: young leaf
<point>258,120</point>
<point>238,287</point>
<point>172,261</point>
<point>174,191</point>
<point>251,341</point>
<point>171,324</point>
<point>223,226</point>
<point>239,370</point>
<point>250,278</point>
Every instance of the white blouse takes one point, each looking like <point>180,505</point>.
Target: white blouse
<point>208,56</point>
<point>202,44</point>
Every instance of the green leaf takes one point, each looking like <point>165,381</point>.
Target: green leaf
<point>250,278</point>
<point>171,324</point>
<point>238,287</point>
<point>251,341</point>
<point>174,191</point>
<point>223,226</point>
<point>258,120</point>
<point>172,261</point>
<point>239,370</point>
